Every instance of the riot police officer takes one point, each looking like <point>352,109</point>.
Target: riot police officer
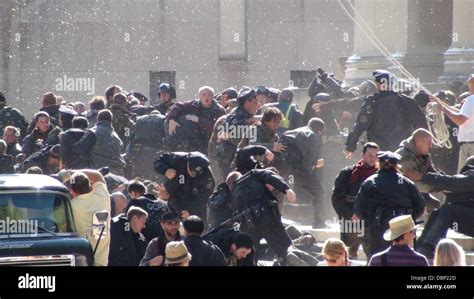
<point>252,197</point>
<point>219,208</point>
<point>252,157</point>
<point>167,93</point>
<point>189,182</point>
<point>387,116</point>
<point>457,212</point>
<point>383,196</point>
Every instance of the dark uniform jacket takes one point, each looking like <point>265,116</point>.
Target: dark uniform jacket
<point>238,117</point>
<point>6,164</point>
<point>10,116</point>
<point>164,107</point>
<point>219,208</point>
<point>122,122</point>
<point>104,146</point>
<point>204,253</point>
<point>32,143</point>
<point>248,158</point>
<point>385,195</point>
<point>186,192</point>
<point>146,140</point>
<point>126,247</point>
<point>388,118</point>
<point>53,112</point>
<point>40,159</point>
<point>303,148</point>
<point>13,149</point>
<point>328,116</point>
<point>92,117</point>
<point>69,159</point>
<point>187,137</point>
<point>54,135</point>
<point>251,188</point>
<point>148,131</point>
<point>460,186</point>
<point>264,137</point>
<point>226,147</point>
<point>140,110</point>
<point>155,208</point>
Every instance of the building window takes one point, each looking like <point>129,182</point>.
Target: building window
<point>232,30</point>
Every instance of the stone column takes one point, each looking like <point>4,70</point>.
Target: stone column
<point>459,58</point>
<point>417,33</point>
<point>429,27</point>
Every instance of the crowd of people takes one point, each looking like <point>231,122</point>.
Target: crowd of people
<point>202,182</point>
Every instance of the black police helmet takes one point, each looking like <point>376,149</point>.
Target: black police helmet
<point>167,88</point>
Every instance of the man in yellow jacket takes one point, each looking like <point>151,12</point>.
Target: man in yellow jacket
<point>90,197</point>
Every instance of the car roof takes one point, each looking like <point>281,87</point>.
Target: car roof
<point>30,182</point>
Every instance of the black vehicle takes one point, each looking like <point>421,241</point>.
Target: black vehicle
<point>36,224</point>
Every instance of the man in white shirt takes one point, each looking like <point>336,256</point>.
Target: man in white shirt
<point>464,118</point>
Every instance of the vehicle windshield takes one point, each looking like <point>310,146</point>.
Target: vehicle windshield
<point>34,213</point>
